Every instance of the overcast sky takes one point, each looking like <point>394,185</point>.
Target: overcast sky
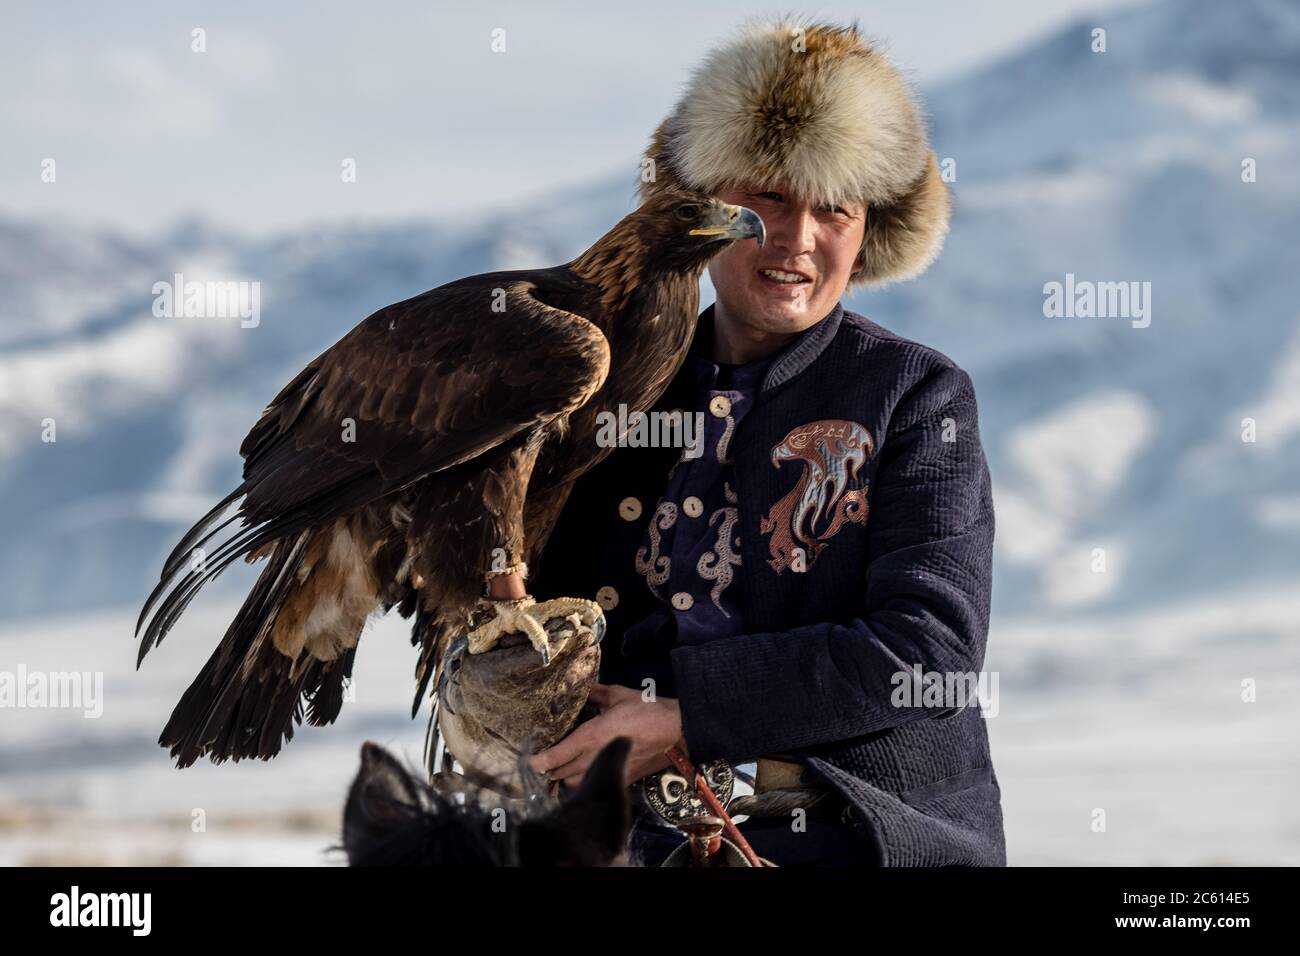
<point>252,133</point>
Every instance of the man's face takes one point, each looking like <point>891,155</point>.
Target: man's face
<point>819,244</point>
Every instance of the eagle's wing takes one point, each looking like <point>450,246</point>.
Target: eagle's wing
<point>429,383</point>
<point>418,387</point>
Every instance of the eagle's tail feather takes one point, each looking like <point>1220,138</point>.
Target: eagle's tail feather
<point>180,582</point>
<point>203,529</point>
<point>185,548</point>
<point>249,696</point>
<point>176,594</point>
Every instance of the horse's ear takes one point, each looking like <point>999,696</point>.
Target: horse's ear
<point>591,827</point>
<point>383,776</point>
<point>384,796</point>
<point>603,781</point>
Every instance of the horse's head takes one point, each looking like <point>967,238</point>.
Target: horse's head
<point>394,818</point>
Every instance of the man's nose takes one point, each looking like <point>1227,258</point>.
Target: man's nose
<point>795,232</point>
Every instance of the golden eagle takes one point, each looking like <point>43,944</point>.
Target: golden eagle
<point>430,448</point>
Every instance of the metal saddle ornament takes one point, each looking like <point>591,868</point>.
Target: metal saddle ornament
<point>693,800</point>
<point>674,799</point>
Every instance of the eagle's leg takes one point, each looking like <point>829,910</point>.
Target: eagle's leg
<point>507,585</point>
<point>508,608</point>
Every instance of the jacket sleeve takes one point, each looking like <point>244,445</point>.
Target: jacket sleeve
<point>927,584</point>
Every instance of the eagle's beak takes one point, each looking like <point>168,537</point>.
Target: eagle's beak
<point>734,222</point>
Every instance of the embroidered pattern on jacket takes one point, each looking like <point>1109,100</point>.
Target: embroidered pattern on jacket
<point>719,564</point>
<point>656,567</point>
<point>832,451</point>
<point>724,441</point>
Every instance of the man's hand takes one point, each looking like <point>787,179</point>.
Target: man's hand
<point>653,726</point>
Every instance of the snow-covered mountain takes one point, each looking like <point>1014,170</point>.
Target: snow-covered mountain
<point>1111,167</point>
<point>1114,167</point>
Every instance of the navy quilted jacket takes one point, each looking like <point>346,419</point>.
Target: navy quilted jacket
<point>866,529</point>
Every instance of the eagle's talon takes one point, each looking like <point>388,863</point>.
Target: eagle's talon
<point>508,617</point>
<point>525,616</point>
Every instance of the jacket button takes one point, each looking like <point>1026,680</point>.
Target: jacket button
<point>607,598</point>
<point>629,509</point>
<point>719,405</point>
<point>693,506</point>
<point>683,601</point>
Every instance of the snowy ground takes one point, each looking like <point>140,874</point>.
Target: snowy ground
<point>84,789</point>
<point>1140,716</point>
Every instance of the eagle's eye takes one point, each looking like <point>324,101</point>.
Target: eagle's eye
<point>688,212</point>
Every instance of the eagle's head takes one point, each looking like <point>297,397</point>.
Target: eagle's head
<point>685,229</point>
<point>672,236</point>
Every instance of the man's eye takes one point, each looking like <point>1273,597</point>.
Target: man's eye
<point>775,197</point>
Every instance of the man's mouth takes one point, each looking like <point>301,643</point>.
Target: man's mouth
<point>784,278</point>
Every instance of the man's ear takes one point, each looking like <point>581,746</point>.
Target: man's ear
<point>859,263</point>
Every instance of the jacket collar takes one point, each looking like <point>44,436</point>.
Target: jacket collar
<point>789,361</point>
<point>708,373</point>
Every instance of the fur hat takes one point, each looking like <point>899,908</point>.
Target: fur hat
<point>816,107</point>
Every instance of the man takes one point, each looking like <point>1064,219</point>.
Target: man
<point>767,599</point>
